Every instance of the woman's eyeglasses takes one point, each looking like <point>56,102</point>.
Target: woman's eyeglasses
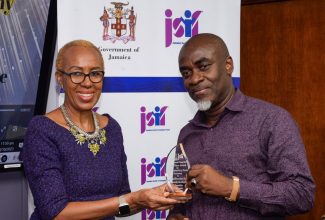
<point>79,77</point>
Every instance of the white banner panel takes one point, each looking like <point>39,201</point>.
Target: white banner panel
<point>143,89</point>
<point>158,37</point>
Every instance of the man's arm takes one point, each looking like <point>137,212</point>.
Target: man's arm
<point>291,187</point>
<point>288,189</point>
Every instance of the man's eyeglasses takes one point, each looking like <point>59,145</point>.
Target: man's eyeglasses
<point>79,77</point>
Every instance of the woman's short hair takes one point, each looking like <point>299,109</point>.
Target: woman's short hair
<point>79,43</point>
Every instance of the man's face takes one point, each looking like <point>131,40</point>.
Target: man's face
<point>82,96</point>
<point>204,72</point>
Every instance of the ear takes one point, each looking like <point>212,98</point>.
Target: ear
<point>59,79</point>
<point>229,66</point>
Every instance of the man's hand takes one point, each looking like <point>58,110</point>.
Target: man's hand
<point>209,180</point>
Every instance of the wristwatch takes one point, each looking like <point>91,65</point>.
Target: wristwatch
<point>124,208</point>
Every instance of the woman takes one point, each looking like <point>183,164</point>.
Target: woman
<point>74,158</point>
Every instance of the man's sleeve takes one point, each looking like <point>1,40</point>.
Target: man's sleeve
<point>291,187</point>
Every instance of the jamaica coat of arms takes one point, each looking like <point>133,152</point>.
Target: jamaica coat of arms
<point>119,22</point>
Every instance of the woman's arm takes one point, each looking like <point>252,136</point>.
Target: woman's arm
<point>154,199</point>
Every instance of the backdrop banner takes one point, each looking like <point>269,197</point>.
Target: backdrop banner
<point>143,89</point>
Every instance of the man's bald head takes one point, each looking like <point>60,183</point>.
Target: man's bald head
<point>206,40</point>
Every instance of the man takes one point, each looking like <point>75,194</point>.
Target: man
<point>248,160</point>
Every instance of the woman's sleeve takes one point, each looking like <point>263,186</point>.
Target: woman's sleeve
<point>125,186</point>
<point>43,170</point>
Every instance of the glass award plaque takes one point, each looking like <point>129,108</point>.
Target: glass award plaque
<point>177,166</point>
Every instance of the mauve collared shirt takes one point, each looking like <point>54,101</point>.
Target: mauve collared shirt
<point>259,143</point>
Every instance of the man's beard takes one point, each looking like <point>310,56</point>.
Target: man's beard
<point>204,105</point>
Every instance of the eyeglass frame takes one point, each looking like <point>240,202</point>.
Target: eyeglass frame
<point>84,75</point>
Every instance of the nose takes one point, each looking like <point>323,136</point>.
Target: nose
<point>196,77</point>
<point>87,82</point>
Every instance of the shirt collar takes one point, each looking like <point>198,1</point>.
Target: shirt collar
<point>236,104</point>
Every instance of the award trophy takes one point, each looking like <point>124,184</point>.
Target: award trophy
<point>177,166</point>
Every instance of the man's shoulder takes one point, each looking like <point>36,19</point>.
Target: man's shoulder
<point>258,105</point>
<point>187,125</point>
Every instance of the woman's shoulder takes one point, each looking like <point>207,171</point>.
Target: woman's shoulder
<point>41,127</point>
<point>39,121</point>
<point>43,123</point>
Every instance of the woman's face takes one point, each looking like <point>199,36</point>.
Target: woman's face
<point>82,96</point>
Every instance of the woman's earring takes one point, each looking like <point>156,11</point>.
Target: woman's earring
<point>59,87</point>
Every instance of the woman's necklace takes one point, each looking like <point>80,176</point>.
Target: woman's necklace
<point>94,140</point>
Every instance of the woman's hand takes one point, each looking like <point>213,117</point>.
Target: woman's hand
<point>155,198</point>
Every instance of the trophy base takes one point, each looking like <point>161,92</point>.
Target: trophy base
<point>180,196</point>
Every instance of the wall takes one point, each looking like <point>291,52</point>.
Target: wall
<point>282,61</point>
<point>13,196</point>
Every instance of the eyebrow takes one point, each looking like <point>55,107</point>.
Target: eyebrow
<point>75,67</point>
<point>201,60</point>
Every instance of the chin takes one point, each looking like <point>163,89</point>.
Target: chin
<point>86,106</point>
<point>204,105</point>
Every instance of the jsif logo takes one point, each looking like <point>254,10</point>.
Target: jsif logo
<point>187,25</point>
<point>153,171</point>
<point>148,214</point>
<point>153,120</point>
